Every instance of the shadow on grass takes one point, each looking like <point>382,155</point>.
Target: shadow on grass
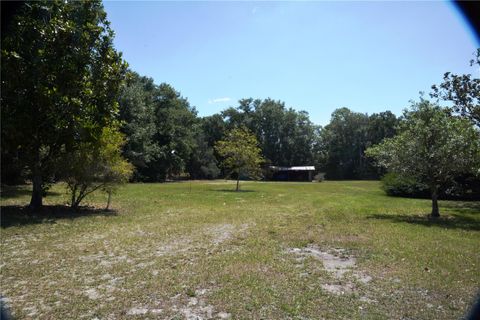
<point>11,192</point>
<point>463,207</point>
<point>232,190</point>
<point>452,221</point>
<point>22,215</point>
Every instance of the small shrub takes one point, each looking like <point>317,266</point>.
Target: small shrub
<point>400,186</point>
<point>466,187</point>
<point>95,166</point>
<point>319,177</point>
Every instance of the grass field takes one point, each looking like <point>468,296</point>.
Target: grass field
<point>334,250</point>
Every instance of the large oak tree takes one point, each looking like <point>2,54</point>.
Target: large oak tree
<point>60,83</point>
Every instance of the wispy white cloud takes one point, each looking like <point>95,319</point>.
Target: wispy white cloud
<point>254,10</point>
<point>219,100</point>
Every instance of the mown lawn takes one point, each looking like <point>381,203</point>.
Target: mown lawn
<point>186,250</point>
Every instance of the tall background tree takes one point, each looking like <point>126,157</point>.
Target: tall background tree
<point>174,119</point>
<point>286,136</point>
<point>462,91</point>
<point>202,163</point>
<point>166,138</point>
<point>347,136</point>
<point>160,126</point>
<point>61,78</point>
<point>137,116</point>
<point>461,95</point>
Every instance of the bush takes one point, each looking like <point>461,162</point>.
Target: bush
<point>401,186</point>
<point>465,187</point>
<point>95,166</point>
<point>319,177</point>
<point>462,188</point>
<point>209,171</point>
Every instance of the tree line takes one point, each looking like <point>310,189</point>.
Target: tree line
<point>166,138</point>
<point>73,111</point>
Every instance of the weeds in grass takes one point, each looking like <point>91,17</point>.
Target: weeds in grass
<point>181,250</point>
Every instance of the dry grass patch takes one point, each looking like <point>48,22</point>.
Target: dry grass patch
<point>279,251</point>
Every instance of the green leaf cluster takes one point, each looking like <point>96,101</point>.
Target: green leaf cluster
<point>60,81</point>
<point>240,153</point>
<point>344,140</point>
<point>462,91</point>
<point>96,165</point>
<point>287,137</point>
<point>432,147</point>
<point>159,125</point>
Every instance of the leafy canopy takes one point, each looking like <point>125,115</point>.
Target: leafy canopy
<point>285,136</point>
<point>240,152</point>
<point>433,147</point>
<point>463,91</point>
<point>61,78</point>
<point>96,165</point>
<point>347,136</point>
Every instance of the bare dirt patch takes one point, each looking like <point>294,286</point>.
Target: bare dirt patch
<point>338,263</point>
<point>224,232</point>
<point>338,289</point>
<point>335,261</point>
<point>197,308</point>
<point>137,311</point>
<point>92,294</point>
<point>210,238</point>
<point>216,235</point>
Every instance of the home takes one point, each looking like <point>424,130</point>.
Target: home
<point>296,173</point>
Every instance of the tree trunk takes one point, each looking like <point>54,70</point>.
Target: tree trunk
<point>238,183</point>
<point>108,200</point>
<point>74,195</point>
<point>81,194</point>
<point>435,212</point>
<point>75,204</point>
<point>36,201</point>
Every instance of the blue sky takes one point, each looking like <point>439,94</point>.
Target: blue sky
<point>314,56</point>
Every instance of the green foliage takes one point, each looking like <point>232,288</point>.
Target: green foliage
<point>400,185</point>
<point>345,139</point>
<point>465,187</point>
<point>96,165</point>
<point>157,122</point>
<point>463,91</point>
<point>241,154</point>
<point>286,137</point>
<point>174,119</point>
<point>60,80</point>
<point>138,122</point>
<point>202,163</point>
<point>213,128</point>
<point>165,137</point>
<point>462,187</point>
<point>432,147</point>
